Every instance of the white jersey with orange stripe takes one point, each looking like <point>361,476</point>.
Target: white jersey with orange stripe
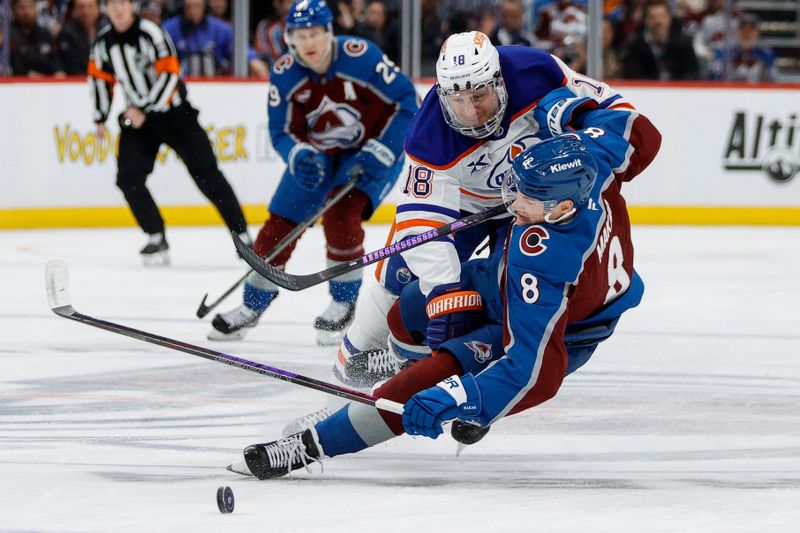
<point>448,174</point>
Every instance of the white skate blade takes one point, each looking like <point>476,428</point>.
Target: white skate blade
<point>159,259</point>
<point>460,446</point>
<point>330,338</point>
<point>239,467</point>
<point>239,334</point>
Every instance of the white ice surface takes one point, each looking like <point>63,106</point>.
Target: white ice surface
<point>687,419</point>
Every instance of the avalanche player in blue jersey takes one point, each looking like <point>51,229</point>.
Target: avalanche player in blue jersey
<point>488,105</point>
<point>335,103</point>
<point>535,311</point>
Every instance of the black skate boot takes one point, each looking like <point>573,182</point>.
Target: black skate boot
<point>156,251</point>
<point>234,324</point>
<point>365,369</point>
<point>278,458</point>
<point>467,432</point>
<point>333,322</point>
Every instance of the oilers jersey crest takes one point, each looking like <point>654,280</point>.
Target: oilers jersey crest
<point>363,95</point>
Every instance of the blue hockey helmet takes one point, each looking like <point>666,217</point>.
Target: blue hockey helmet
<point>308,13</point>
<point>556,169</point>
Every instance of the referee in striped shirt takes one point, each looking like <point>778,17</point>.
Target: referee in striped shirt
<point>139,56</point>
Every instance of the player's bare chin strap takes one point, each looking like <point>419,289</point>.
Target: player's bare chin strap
<point>562,218</point>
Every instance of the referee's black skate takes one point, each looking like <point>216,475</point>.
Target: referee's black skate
<point>332,323</point>
<point>156,251</point>
<point>278,458</point>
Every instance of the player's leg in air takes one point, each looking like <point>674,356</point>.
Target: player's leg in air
<point>369,353</point>
<point>355,426</point>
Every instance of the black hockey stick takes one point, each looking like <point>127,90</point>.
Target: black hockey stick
<point>204,309</point>
<point>57,280</point>
<point>298,282</point>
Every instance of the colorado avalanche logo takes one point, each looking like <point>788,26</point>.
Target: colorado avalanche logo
<point>481,350</point>
<point>334,125</point>
<point>503,166</point>
<point>283,64</point>
<point>532,240</point>
<point>355,47</point>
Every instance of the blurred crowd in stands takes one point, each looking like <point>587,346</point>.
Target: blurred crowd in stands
<point>642,39</point>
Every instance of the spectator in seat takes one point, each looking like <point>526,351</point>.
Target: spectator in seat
<point>32,49</point>
<point>612,62</point>
<point>78,34</point>
<point>220,9</point>
<point>268,40</point>
<point>152,11</point>
<point>748,61</point>
<point>511,30</point>
<point>661,51</point>
<point>205,43</point>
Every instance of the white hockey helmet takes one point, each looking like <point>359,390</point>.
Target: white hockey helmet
<point>470,85</point>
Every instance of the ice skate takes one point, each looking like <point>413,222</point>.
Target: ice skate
<point>305,422</point>
<point>365,369</point>
<point>278,458</point>
<point>467,432</point>
<point>233,325</point>
<point>332,323</point>
<point>156,251</point>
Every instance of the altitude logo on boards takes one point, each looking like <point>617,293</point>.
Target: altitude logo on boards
<point>766,143</point>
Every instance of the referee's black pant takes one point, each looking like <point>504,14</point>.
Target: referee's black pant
<point>179,129</point>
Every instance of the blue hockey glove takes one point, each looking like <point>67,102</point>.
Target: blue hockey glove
<point>451,398</point>
<point>558,107</point>
<point>306,166</point>
<point>375,159</point>
<point>452,312</point>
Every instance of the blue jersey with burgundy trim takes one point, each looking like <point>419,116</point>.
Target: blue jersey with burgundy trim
<point>552,275</point>
<point>363,95</point>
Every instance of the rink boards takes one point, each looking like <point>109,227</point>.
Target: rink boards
<point>731,155</point>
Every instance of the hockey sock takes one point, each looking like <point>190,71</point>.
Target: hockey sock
<point>257,299</point>
<point>344,291</point>
<point>338,436</point>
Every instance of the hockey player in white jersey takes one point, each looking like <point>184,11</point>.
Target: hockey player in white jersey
<point>489,104</point>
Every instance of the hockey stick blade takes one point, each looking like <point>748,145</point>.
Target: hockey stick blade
<point>57,280</point>
<point>288,239</point>
<point>298,282</point>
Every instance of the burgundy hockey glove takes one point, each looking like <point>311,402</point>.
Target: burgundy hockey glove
<point>452,311</point>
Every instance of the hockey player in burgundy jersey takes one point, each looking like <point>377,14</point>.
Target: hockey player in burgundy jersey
<point>538,308</point>
<point>336,104</point>
<point>488,105</point>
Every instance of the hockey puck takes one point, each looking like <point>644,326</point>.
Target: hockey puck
<point>225,500</point>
